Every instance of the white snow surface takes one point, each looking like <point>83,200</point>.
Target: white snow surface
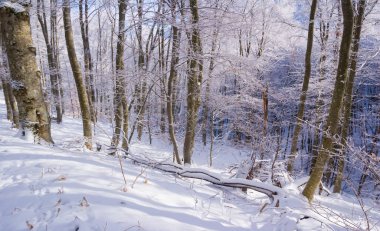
<point>17,6</point>
<point>64,187</point>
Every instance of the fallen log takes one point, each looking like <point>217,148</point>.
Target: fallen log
<point>274,193</point>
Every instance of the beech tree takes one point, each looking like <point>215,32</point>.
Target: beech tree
<point>88,64</point>
<point>330,129</point>
<point>120,100</point>
<point>52,53</point>
<point>349,88</point>
<point>81,89</point>
<point>176,35</point>
<point>26,82</point>
<point>193,83</point>
<point>10,100</point>
<point>305,86</point>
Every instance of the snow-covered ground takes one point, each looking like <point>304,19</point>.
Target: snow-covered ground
<point>66,188</point>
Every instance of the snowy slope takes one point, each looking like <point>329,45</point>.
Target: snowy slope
<point>65,188</point>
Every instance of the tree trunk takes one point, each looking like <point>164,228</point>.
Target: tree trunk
<point>330,130</point>
<point>11,104</point>
<point>6,97</point>
<point>82,94</point>
<point>348,92</point>
<point>52,57</point>
<point>305,86</point>
<point>162,66</point>
<point>324,31</point>
<point>120,100</point>
<point>26,81</point>
<point>141,87</point>
<point>206,107</point>
<point>55,51</point>
<point>194,82</point>
<point>88,65</point>
<point>172,77</point>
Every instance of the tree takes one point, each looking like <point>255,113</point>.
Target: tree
<point>305,86</point>
<point>359,18</point>
<point>142,67</point>
<point>10,101</point>
<point>120,100</point>
<point>331,126</point>
<point>52,53</point>
<point>206,102</point>
<point>194,82</point>
<point>176,36</point>
<point>26,81</point>
<point>88,64</point>
<point>81,89</point>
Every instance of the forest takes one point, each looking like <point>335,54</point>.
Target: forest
<point>274,102</point>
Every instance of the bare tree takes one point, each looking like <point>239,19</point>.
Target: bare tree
<point>88,64</point>
<point>194,82</point>
<point>331,127</point>
<point>305,86</point>
<point>120,100</point>
<point>82,94</point>
<point>10,100</point>
<point>26,81</point>
<point>52,52</point>
<point>359,18</point>
<point>176,36</point>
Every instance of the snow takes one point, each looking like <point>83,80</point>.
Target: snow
<point>16,6</point>
<point>64,187</point>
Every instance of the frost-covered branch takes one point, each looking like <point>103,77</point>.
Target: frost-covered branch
<point>274,193</point>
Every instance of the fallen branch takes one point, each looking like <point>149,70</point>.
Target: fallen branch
<point>274,193</point>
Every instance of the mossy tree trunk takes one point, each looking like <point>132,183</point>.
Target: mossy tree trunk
<point>324,32</point>
<point>331,127</point>
<point>26,81</point>
<point>81,89</point>
<point>349,92</point>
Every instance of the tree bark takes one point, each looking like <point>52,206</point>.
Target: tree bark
<point>305,86</point>
<point>330,130</point>
<point>324,31</point>
<point>88,65</point>
<point>82,94</point>
<point>194,82</point>
<point>206,107</point>
<point>26,81</point>
<point>52,56</point>
<point>120,100</point>
<point>11,104</point>
<point>162,67</point>
<point>6,97</point>
<point>349,92</point>
<point>141,87</point>
<point>172,77</point>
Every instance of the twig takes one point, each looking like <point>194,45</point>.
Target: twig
<point>142,172</point>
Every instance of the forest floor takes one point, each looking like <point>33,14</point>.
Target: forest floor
<point>64,187</point>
